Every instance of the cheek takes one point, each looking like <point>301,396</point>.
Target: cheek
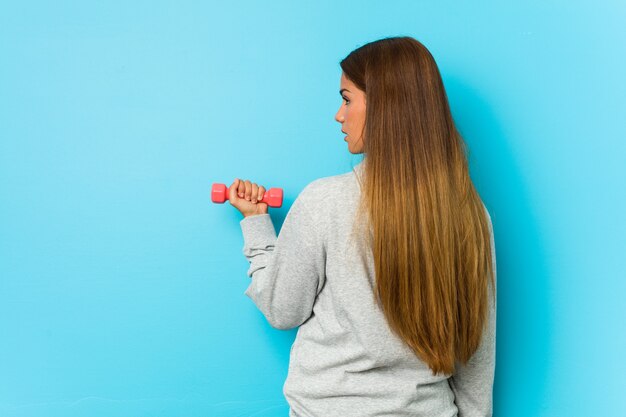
<point>362,116</point>
<point>348,116</point>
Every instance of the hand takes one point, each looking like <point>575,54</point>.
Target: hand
<point>244,196</point>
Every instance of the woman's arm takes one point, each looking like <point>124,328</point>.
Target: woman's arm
<point>287,271</point>
<point>472,383</point>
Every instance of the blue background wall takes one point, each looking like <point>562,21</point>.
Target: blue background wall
<point>121,284</point>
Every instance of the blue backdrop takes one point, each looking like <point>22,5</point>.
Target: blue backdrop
<point>121,284</point>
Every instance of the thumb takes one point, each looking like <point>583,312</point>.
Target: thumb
<point>232,192</point>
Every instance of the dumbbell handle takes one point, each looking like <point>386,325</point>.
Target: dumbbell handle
<point>273,197</point>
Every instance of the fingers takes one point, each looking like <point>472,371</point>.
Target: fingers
<point>250,191</point>
<point>241,189</point>
<point>234,186</point>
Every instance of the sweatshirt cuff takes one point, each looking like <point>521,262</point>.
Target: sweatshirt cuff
<point>257,230</point>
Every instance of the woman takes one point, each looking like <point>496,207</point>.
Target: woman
<point>398,318</point>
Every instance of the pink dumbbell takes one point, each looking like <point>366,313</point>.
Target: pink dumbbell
<point>273,197</point>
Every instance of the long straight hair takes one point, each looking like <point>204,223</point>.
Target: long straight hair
<point>429,229</point>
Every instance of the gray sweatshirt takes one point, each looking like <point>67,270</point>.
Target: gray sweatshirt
<point>345,361</point>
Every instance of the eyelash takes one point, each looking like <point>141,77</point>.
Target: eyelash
<point>346,100</point>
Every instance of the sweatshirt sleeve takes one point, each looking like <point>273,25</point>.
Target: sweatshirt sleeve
<point>287,271</point>
<point>472,383</point>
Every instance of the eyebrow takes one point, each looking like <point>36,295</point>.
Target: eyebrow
<point>344,89</point>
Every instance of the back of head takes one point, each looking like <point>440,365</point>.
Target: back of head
<point>428,230</point>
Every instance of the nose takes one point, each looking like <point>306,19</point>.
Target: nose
<point>339,116</point>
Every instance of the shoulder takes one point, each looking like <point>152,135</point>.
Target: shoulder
<point>326,188</point>
<point>490,221</point>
